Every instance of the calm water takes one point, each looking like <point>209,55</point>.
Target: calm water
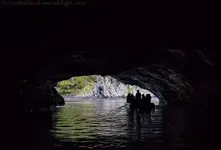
<point>101,124</point>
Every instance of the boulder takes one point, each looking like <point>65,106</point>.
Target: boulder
<point>56,99</point>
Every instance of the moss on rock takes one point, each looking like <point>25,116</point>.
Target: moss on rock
<point>76,85</point>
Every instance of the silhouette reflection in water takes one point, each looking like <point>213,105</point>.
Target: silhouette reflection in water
<point>92,124</point>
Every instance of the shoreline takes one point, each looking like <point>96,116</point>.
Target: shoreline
<point>76,99</point>
<point>72,98</point>
<point>94,97</point>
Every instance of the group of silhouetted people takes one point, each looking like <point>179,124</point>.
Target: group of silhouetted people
<point>140,101</point>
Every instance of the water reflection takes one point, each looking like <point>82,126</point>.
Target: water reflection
<point>105,123</point>
<point>93,124</point>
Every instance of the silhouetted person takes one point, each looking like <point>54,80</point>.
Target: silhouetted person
<point>138,95</point>
<point>143,98</point>
<point>150,105</point>
<point>142,102</point>
<point>148,99</point>
<point>147,103</point>
<point>133,101</point>
<point>132,97</point>
<point>129,98</point>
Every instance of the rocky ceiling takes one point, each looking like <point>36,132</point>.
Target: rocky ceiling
<point>155,52</point>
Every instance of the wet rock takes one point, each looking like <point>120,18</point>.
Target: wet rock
<point>56,99</point>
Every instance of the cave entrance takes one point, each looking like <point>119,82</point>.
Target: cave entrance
<point>97,86</point>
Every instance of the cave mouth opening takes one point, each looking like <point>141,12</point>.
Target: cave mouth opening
<point>98,86</point>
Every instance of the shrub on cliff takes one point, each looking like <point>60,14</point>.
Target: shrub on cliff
<point>76,84</point>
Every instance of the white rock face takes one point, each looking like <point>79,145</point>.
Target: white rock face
<point>109,87</point>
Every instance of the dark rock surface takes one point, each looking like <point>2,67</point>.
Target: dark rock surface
<point>57,43</point>
<point>164,74</point>
<point>56,99</point>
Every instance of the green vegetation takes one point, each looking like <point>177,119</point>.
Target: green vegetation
<point>85,86</point>
<point>130,89</point>
<point>76,85</point>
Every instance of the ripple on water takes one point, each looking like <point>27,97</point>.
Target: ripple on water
<point>92,124</point>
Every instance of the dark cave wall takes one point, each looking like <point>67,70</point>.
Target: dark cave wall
<point>55,44</point>
<point>173,75</point>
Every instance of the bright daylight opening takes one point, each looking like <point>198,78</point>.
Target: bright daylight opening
<point>100,87</point>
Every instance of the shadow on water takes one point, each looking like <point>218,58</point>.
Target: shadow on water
<point>103,124</point>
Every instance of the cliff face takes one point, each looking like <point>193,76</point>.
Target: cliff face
<point>104,87</point>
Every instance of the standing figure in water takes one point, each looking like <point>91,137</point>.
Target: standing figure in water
<point>148,99</point>
<point>132,98</point>
<point>143,97</point>
<point>137,99</point>
<point>129,98</point>
<point>149,104</point>
<point>138,95</point>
